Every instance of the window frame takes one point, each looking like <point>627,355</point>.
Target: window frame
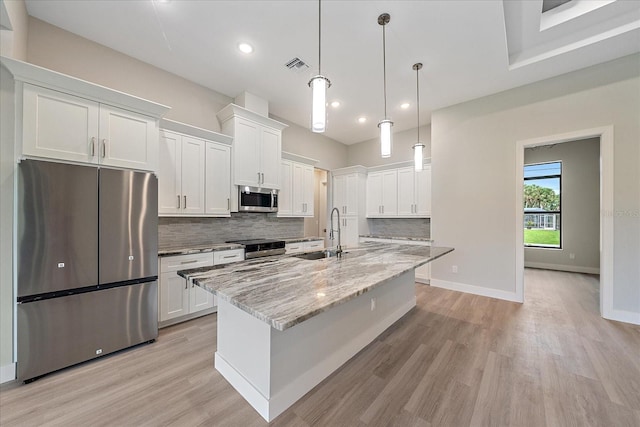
<point>545,213</point>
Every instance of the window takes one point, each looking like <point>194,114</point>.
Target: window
<point>542,207</point>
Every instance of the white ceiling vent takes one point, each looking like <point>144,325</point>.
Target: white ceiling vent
<point>296,64</point>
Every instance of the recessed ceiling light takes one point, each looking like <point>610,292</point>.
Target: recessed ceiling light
<point>362,119</point>
<point>335,104</point>
<point>245,48</point>
<point>405,105</point>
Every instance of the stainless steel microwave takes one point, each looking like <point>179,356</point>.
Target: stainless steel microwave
<point>253,199</point>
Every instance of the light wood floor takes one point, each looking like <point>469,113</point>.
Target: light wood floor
<point>455,360</point>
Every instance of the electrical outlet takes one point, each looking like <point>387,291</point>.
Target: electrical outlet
<point>99,351</point>
<point>373,304</point>
<point>454,268</point>
<point>572,256</point>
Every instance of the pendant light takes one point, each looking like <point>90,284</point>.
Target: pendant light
<point>319,85</point>
<point>386,137</point>
<point>419,146</point>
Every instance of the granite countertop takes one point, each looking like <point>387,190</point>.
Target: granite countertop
<point>378,236</point>
<point>211,247</point>
<point>285,290</point>
<point>301,239</point>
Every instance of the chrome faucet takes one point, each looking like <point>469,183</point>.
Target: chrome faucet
<point>339,247</point>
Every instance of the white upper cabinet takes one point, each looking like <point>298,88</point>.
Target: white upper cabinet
<point>285,196</point>
<point>410,196</point>
<point>194,175</point>
<point>57,125</point>
<point>65,118</point>
<point>127,140</point>
<point>257,147</point>
<point>297,192</point>
<point>66,127</point>
<point>349,192</point>
<point>382,193</point>
<point>218,179</point>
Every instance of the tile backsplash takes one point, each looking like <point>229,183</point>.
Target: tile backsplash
<point>400,227</point>
<point>183,232</point>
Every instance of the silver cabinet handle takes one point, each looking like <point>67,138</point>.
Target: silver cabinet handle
<point>185,202</point>
<point>258,177</point>
<point>262,177</point>
<point>186,284</point>
<point>104,148</point>
<point>230,256</point>
<point>178,201</point>
<point>93,146</point>
<point>188,262</point>
<point>228,204</point>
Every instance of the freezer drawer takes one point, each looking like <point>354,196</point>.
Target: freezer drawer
<point>60,332</point>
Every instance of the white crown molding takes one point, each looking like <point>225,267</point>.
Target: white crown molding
<point>233,110</point>
<point>173,126</point>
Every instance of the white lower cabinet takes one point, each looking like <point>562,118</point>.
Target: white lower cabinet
<point>300,247</point>
<point>179,299</point>
<point>423,273</point>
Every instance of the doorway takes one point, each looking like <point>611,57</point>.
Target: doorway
<point>316,226</point>
<point>605,135</point>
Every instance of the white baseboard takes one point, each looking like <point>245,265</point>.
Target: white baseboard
<point>561,267</point>
<point>7,373</point>
<point>476,290</point>
<point>622,316</point>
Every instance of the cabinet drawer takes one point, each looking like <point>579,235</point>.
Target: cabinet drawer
<point>294,248</point>
<point>315,245</point>
<point>226,257</point>
<point>184,262</point>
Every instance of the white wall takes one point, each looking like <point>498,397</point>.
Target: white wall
<point>473,165</point>
<point>580,199</point>
<point>367,153</point>
<point>13,39</point>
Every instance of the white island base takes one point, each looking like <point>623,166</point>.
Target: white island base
<point>272,369</point>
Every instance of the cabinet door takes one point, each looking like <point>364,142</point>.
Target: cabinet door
<point>193,175</point>
<point>174,296</point>
<point>297,199</point>
<point>246,146</point>
<point>199,299</point>
<point>339,193</point>
<point>285,196</point>
<point>218,179</point>
<point>169,172</point>
<point>423,191</point>
<point>270,157</point>
<point>352,194</point>
<point>390,193</point>
<point>60,126</point>
<point>349,232</point>
<point>308,190</point>
<point>374,194</point>
<point>406,191</point>
<point>127,139</point>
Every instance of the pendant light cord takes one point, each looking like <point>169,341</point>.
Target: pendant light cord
<point>384,68</point>
<point>319,37</point>
<point>418,100</point>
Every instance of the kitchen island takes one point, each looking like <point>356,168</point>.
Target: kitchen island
<point>286,323</point>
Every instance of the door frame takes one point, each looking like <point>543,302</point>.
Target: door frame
<point>605,134</point>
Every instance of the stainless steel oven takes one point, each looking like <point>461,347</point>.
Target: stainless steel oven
<point>253,199</point>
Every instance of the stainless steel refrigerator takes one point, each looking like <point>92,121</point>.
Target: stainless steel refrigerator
<point>87,265</point>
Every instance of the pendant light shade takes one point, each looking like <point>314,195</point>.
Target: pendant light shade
<point>385,125</point>
<point>418,147</point>
<point>319,85</point>
<point>386,137</point>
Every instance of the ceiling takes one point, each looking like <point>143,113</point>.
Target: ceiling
<point>469,48</point>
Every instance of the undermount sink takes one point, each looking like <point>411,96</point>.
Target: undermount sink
<point>318,255</point>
